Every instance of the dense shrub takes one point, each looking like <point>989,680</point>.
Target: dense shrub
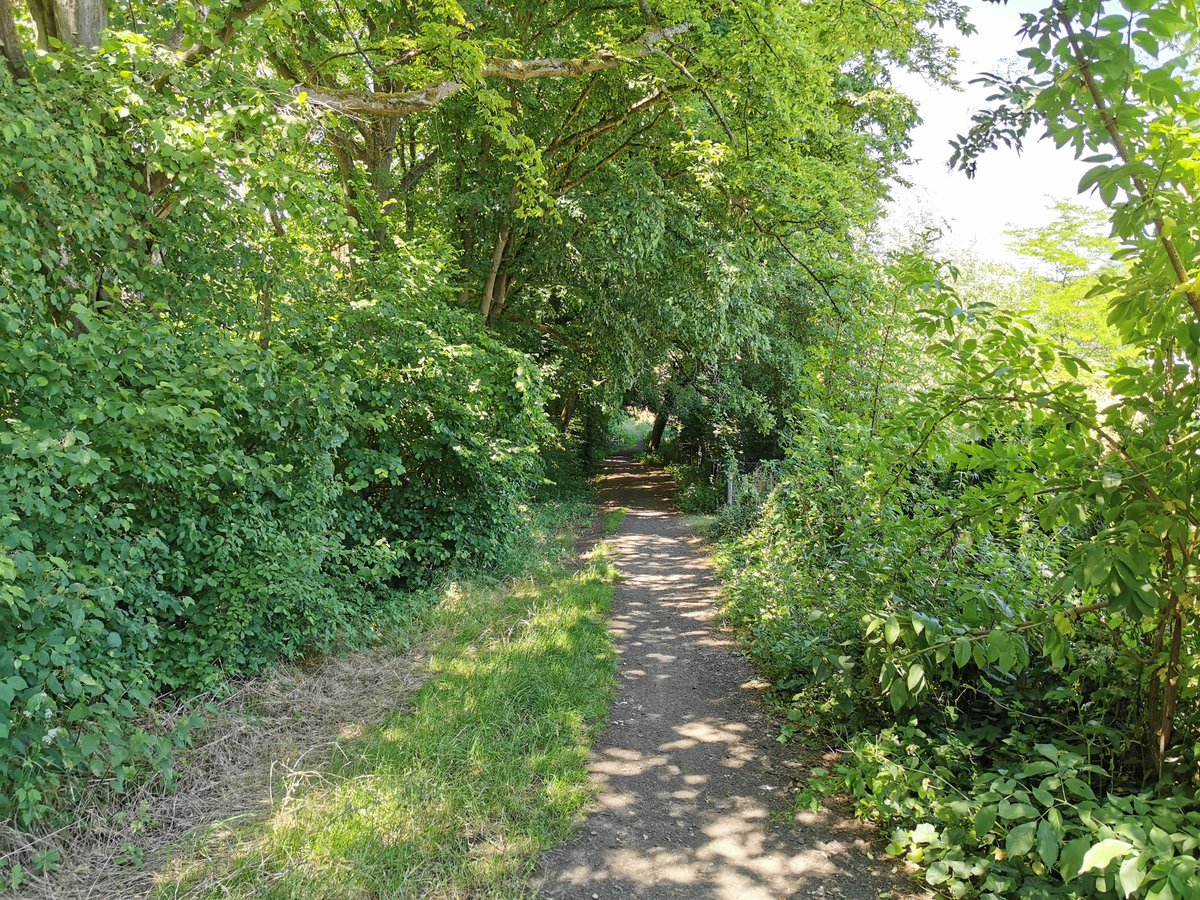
<point>994,742</point>
<point>695,492</point>
<point>226,437</point>
<point>183,505</point>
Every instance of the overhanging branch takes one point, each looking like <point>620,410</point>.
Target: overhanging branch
<point>374,103</point>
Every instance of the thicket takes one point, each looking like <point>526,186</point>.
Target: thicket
<point>190,491</point>
<point>185,506</point>
<point>975,576</point>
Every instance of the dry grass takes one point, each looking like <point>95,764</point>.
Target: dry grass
<point>262,749</point>
<point>276,740</point>
<point>262,743</point>
<point>455,795</point>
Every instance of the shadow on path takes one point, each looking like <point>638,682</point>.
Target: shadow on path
<point>694,790</point>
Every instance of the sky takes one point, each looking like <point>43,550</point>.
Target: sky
<point>1009,189</point>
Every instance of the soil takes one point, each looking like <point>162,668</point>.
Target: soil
<point>694,790</point>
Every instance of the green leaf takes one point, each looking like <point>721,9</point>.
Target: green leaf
<point>1100,855</point>
<point>89,744</point>
<point>891,630</point>
<point>1131,875</point>
<point>1010,810</point>
<point>1020,839</point>
<point>985,818</point>
<point>962,652</point>
<point>1071,859</point>
<point>916,677</point>
<point>1080,789</point>
<point>1048,843</point>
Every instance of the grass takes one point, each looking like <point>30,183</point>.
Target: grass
<point>613,519</point>
<point>631,431</point>
<point>456,794</point>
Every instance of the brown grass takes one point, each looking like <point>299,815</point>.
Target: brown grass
<point>264,741</point>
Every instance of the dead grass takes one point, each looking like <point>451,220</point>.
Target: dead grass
<point>264,746</point>
<point>262,743</point>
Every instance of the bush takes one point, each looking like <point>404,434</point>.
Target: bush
<point>185,506</point>
<point>993,738</point>
<point>1034,827</point>
<point>694,492</point>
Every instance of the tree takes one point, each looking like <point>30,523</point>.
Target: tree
<point>1073,244</point>
<point>1117,86</point>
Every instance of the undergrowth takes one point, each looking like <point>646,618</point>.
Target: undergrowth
<point>457,792</point>
<point>992,741</point>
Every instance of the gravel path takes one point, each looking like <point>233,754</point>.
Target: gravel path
<point>694,788</point>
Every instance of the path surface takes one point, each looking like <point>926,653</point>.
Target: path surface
<point>694,788</point>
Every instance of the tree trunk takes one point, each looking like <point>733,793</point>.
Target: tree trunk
<point>499,299</point>
<point>654,441</point>
<point>91,17</point>
<point>9,42</point>
<point>381,153</point>
<point>265,315</point>
<point>1165,689</point>
<point>662,417</point>
<point>568,410</point>
<point>73,23</point>
<point>489,287</point>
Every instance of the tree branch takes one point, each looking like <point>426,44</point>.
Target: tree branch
<point>624,147</point>
<point>424,99</point>
<point>1118,141</point>
<point>237,13</point>
<point>608,124</point>
<point>413,175</point>
<point>550,331</point>
<point>712,104</point>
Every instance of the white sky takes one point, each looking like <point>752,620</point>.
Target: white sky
<point>1008,189</point>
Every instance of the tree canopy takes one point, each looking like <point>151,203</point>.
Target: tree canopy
<point>301,303</point>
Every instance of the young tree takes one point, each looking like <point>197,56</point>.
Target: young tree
<point>1074,243</point>
<point>1118,87</point>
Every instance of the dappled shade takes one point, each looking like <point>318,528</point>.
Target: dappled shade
<point>694,788</point>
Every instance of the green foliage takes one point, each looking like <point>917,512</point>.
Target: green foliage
<point>1035,828</point>
<point>185,506</point>
<point>1064,296</point>
<point>629,432</point>
<point>1073,244</point>
<point>213,458</point>
<point>695,491</point>
<point>884,582</point>
<point>494,744</point>
<point>989,591</point>
<point>295,295</point>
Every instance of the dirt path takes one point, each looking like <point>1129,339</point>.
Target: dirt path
<point>694,786</point>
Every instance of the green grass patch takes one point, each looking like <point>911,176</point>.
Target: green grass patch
<point>631,431</point>
<point>613,519</point>
<point>701,523</point>
<point>457,794</point>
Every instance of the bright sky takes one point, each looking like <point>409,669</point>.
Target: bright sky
<point>1008,189</point>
